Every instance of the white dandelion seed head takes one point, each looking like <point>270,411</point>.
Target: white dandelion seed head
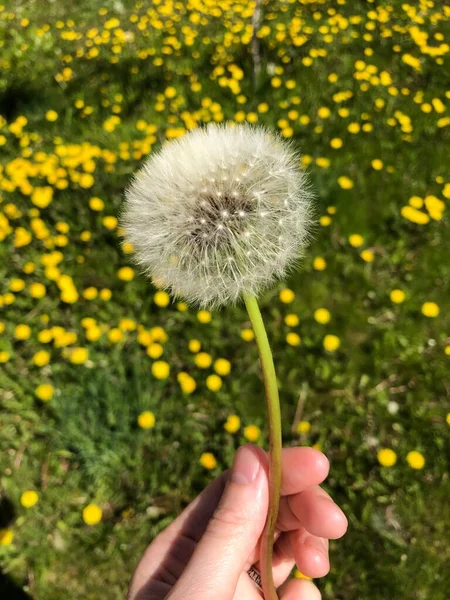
<point>222,211</point>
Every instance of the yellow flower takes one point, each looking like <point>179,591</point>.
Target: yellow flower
<point>208,460</point>
<point>115,335</point>
<point>110,222</point>
<point>322,316</point>
<point>182,306</point>
<point>414,215</point>
<point>204,316</point>
<point>336,143</point>
<point>367,255</point>
<point>345,182</point>
<point>22,237</point>
<point>397,296</point>
<point>16,285</point>
<point>155,350</point>
<point>222,366</point>
<point>233,423</point>
<point>4,357</point>
<point>430,309</point>
<point>158,334</point>
<point>325,221</point>
<point>194,346</point>
<point>299,575</point>
<point>44,392</point>
<point>331,343</point>
<point>187,383</point>
<point>203,360</point>
<point>29,499</point>
<point>79,356</point>
<point>105,294</point>
<point>6,537</point>
<point>90,293</point>
<point>293,339</point>
<point>22,332</point>
<point>37,290</point>
<point>291,320</point>
<point>160,369</point>
<point>252,433</point>
<point>319,263</point>
<point>386,457</point>
<point>377,164</point>
<point>41,358</point>
<point>92,514</point>
<point>93,333</point>
<point>247,335</point>
<point>303,427</point>
<point>415,459</point>
<point>51,115</point>
<point>356,240</point>
<point>96,204</point>
<point>213,382</point>
<point>161,298</point>
<point>146,420</point>
<point>287,296</point>
<point>42,196</point>
<point>447,350</point>
<point>125,273</point>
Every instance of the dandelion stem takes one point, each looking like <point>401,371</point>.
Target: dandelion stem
<point>275,444</point>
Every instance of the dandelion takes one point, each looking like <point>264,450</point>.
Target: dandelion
<point>146,420</point>
<point>291,320</point>
<point>231,218</point>
<point>194,346</point>
<point>208,460</point>
<point>386,457</point>
<point>293,339</point>
<point>204,316</point>
<point>29,498</point>
<point>161,298</point>
<point>252,433</point>
<point>331,343</point>
<point>222,366</point>
<point>232,424</point>
<point>430,309</point>
<point>92,514</point>
<point>415,460</point>
<point>160,369</point>
<point>397,296</point>
<point>219,215</point>
<point>304,427</point>
<point>6,537</point>
<point>214,382</point>
<point>322,316</point>
<point>203,360</point>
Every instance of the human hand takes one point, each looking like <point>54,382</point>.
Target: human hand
<point>205,553</point>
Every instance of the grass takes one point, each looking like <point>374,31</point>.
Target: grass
<point>387,384</point>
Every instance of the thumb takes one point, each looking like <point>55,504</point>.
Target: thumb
<point>231,535</point>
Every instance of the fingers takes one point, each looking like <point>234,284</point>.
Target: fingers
<point>316,512</point>
<point>301,468</point>
<point>309,552</point>
<point>299,589</point>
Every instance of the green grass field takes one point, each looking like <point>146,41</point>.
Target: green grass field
<point>87,345</point>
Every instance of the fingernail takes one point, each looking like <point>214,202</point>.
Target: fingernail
<point>245,467</point>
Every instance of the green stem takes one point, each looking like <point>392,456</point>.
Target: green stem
<point>275,445</point>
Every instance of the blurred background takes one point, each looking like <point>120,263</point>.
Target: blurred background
<point>118,403</point>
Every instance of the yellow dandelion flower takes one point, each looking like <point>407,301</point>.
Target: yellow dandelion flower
<point>208,460</point>
<point>252,433</point>
<point>331,343</point>
<point>160,369</point>
<point>232,424</point>
<point>44,392</point>
<point>146,420</point>
<point>92,514</point>
<point>386,457</point>
<point>415,460</point>
<point>29,498</point>
<point>287,296</point>
<point>430,309</point>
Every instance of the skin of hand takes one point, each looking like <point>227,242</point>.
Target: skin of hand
<point>204,554</point>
